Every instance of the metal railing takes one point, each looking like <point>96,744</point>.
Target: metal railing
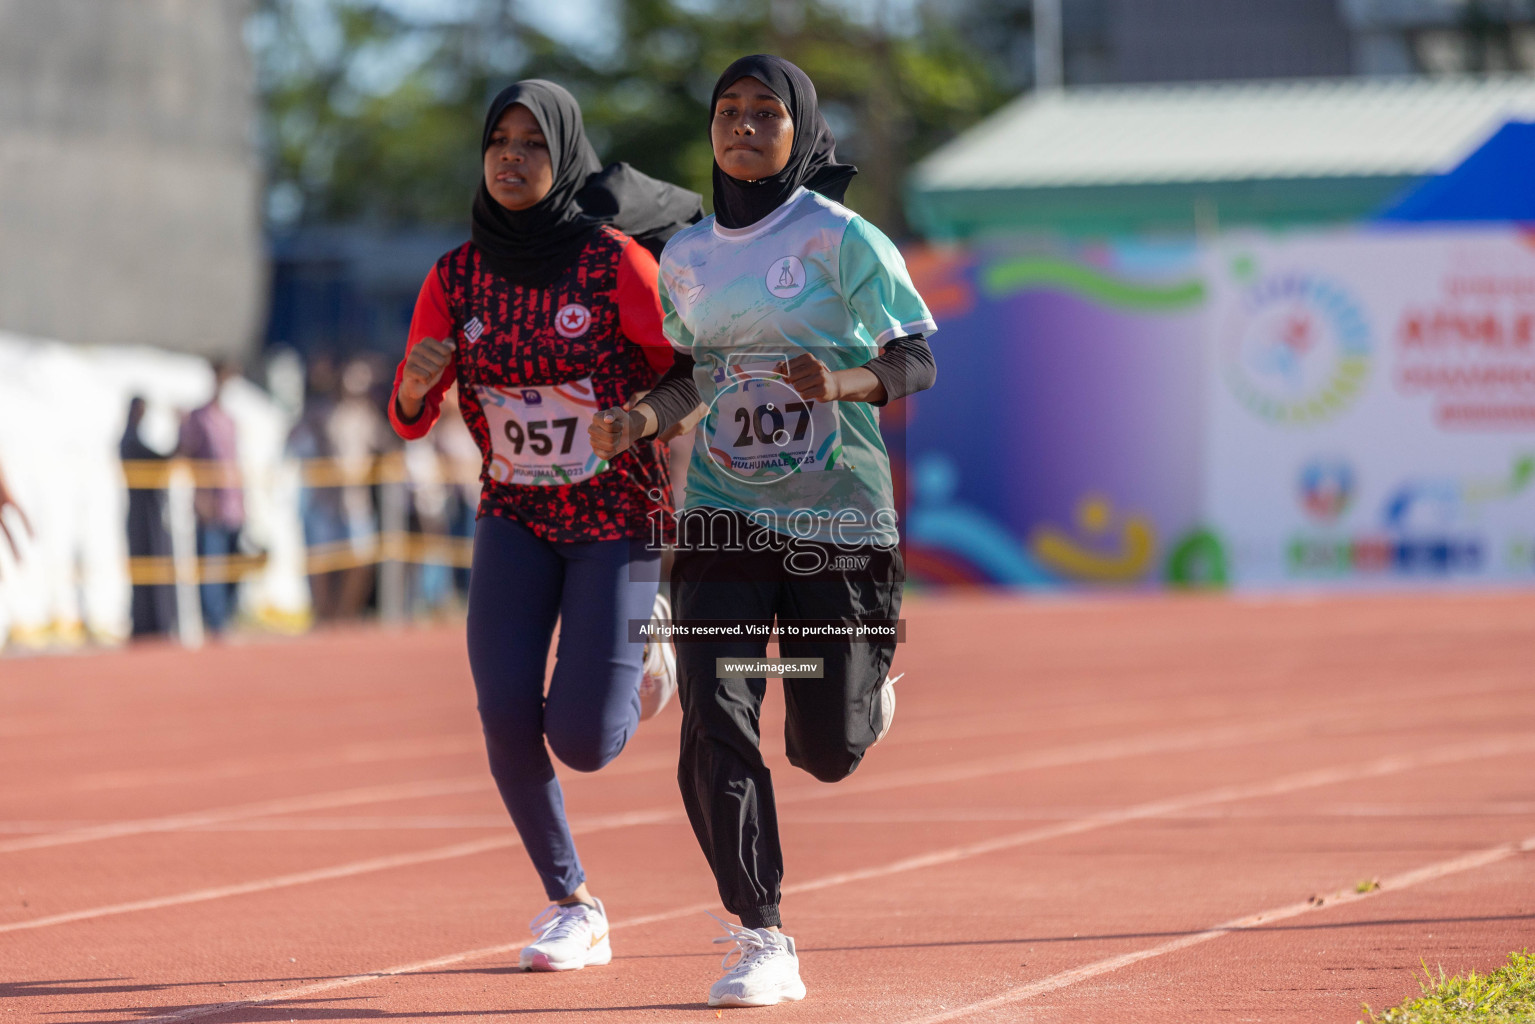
<point>392,547</point>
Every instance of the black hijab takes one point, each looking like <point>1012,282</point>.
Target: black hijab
<point>812,158</point>
<point>532,247</point>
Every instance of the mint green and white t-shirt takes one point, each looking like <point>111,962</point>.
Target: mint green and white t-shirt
<point>812,277</point>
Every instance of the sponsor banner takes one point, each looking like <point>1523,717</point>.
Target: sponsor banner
<point>1372,408</point>
<point>1061,446</point>
<point>1315,410</point>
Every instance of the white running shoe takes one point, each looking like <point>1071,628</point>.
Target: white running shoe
<point>765,971</point>
<point>568,939</point>
<point>887,705</point>
<point>659,680</point>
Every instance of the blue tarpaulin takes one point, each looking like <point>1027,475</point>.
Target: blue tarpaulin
<point>1496,182</point>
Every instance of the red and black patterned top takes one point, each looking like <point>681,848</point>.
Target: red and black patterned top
<point>600,319</point>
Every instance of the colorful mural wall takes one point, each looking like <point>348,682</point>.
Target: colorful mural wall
<point>1334,409</point>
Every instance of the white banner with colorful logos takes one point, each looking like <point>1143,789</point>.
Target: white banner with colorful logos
<point>1371,419</point>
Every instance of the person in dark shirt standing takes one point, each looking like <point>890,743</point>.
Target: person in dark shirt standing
<point>154,604</point>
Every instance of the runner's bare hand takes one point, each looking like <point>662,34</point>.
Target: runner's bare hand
<point>811,378</point>
<point>612,431</point>
<point>424,367</point>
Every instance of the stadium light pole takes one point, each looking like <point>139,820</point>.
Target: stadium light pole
<point>1049,71</point>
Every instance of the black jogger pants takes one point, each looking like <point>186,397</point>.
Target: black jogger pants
<point>830,722</point>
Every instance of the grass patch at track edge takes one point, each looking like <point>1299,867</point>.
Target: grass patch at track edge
<point>1504,996</point>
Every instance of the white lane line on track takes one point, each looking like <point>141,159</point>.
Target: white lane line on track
<point>264,884</point>
<point>663,815</point>
<point>1079,753</point>
<point>1285,784</point>
<point>373,823</point>
<point>449,960</point>
<point>1174,805</point>
<point>1406,880</point>
<point>414,748</point>
<point>360,867</point>
<point>261,809</point>
<point>893,816</point>
<point>1346,811</point>
<point>1061,757</point>
<point>367,752</point>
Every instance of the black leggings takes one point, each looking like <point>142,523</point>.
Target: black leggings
<point>520,585</point>
<point>830,722</point>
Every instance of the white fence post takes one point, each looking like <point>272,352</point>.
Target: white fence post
<point>179,491</point>
<point>392,525</point>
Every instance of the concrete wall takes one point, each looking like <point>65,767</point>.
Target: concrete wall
<point>1205,40</point>
<point>129,180</point>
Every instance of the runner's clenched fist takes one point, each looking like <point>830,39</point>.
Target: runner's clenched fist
<point>424,367</point>
<point>614,431</point>
<point>811,378</point>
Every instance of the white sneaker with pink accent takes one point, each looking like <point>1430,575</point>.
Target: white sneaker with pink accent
<point>568,938</point>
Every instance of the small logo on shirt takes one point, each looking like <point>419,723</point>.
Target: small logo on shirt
<point>473,329</point>
<point>572,320</point>
<point>786,277</point>
<point>531,397</point>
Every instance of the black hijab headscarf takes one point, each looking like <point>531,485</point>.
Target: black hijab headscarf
<point>532,247</point>
<point>812,158</point>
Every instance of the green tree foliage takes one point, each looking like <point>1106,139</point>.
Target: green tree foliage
<point>373,116</point>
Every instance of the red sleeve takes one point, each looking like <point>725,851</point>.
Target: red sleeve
<point>639,305</point>
<point>431,320</point>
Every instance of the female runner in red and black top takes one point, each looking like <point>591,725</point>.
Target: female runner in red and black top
<point>548,314</point>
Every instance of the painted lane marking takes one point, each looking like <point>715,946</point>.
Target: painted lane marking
<point>667,815</point>
<point>1175,805</point>
<point>894,816</point>
<point>234,768</point>
<point>201,820</point>
<point>1080,753</point>
<point>1284,784</point>
<point>360,867</point>
<point>1429,873</point>
<point>365,752</point>
<point>261,809</point>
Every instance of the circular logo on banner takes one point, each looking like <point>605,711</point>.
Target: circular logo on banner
<point>1326,488</point>
<point>572,320</point>
<point>1297,350</point>
<point>786,277</point>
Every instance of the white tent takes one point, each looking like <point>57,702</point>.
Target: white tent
<point>62,413</point>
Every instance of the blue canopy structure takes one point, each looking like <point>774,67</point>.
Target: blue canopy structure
<point>1496,182</point>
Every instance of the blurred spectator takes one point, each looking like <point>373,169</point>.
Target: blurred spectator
<point>359,434</point>
<point>443,472</point>
<point>325,532</point>
<point>208,435</point>
<point>457,447</point>
<point>7,502</point>
<point>154,605</point>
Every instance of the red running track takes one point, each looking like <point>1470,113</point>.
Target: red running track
<point>1136,810</point>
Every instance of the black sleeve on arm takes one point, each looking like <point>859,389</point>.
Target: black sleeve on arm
<point>675,395</point>
<point>905,367</point>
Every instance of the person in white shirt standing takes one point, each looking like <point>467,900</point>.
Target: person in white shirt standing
<point>793,319</point>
